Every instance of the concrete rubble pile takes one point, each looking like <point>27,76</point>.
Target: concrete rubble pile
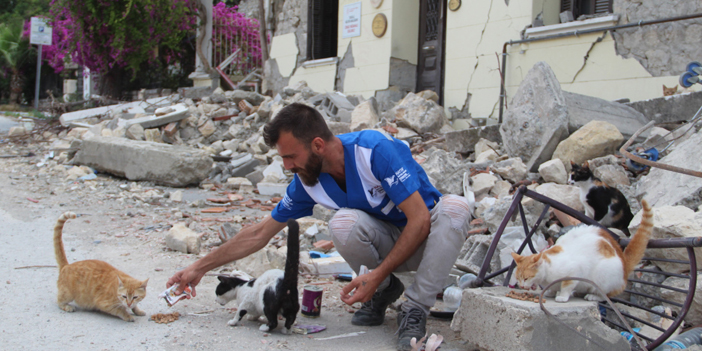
<point>215,142</point>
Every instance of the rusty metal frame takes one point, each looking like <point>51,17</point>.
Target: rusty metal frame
<point>483,279</point>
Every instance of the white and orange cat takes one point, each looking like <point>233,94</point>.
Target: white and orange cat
<point>95,285</point>
<point>588,252</point>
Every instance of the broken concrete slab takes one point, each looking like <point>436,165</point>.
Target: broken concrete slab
<point>492,321</point>
<point>669,109</point>
<point>537,118</point>
<point>464,141</point>
<point>553,171</point>
<point>583,109</point>
<point>364,116</point>
<point>672,222</point>
<point>69,117</point>
<point>141,160</point>
<point>662,187</point>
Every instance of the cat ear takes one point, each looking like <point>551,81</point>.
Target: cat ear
<point>536,259</point>
<point>143,284</point>
<point>120,282</point>
<point>221,278</point>
<point>516,257</point>
<point>664,87</point>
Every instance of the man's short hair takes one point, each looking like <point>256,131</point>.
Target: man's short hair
<point>305,123</point>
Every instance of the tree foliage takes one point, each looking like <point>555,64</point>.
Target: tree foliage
<point>107,34</point>
<point>14,49</point>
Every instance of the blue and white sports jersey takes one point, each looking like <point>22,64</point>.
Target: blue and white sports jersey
<point>380,173</point>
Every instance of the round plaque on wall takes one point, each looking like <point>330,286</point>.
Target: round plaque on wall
<point>454,5</point>
<point>380,25</point>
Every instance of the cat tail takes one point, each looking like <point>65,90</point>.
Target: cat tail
<point>293,258</point>
<point>58,243</point>
<point>635,250</point>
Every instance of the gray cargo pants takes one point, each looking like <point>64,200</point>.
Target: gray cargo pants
<point>362,239</point>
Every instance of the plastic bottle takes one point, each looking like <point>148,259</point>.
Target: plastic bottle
<point>466,279</point>
<point>452,298</point>
<point>682,341</point>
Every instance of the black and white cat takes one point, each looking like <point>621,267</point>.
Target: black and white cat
<point>274,292</point>
<point>603,203</point>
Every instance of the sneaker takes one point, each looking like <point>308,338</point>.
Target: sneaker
<point>412,324</point>
<point>373,312</point>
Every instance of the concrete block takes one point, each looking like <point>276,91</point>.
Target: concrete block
<point>492,321</point>
<point>669,109</point>
<point>271,189</point>
<point>473,253</point>
<point>464,141</point>
<point>661,187</point>
<point>245,168</point>
<point>537,118</point>
<point>181,238</point>
<point>583,109</point>
<point>333,103</point>
<point>140,160</point>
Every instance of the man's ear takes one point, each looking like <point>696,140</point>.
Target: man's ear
<point>318,145</point>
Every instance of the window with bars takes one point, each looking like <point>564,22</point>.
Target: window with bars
<point>322,28</point>
<point>586,7</point>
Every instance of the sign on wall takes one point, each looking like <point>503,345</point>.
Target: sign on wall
<point>40,32</point>
<point>351,25</point>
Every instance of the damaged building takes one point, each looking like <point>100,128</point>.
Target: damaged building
<point>609,49</point>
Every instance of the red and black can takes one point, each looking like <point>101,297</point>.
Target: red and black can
<point>311,301</point>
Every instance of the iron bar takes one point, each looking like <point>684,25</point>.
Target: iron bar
<point>658,285</point>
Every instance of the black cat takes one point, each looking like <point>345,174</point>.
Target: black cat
<point>602,203</point>
<point>274,292</point>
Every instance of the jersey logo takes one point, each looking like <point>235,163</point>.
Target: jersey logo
<point>391,180</point>
<point>376,191</point>
<point>402,174</point>
<point>287,202</point>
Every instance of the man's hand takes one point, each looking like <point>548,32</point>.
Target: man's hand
<point>364,286</point>
<point>189,275</point>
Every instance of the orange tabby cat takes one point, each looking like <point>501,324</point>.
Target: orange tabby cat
<point>94,284</point>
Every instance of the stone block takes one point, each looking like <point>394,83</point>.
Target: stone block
<point>661,187</point>
<point>140,160</point>
<point>568,195</point>
<point>512,169</point>
<point>612,175</point>
<point>492,321</point>
<point>237,95</point>
<point>464,141</point>
<point>271,189</point>
<point>364,116</point>
<point>537,118</point>
<point>595,139</point>
<point>483,183</point>
<point>672,222</point>
<point>446,172</point>
<point>419,114</point>
<point>245,168</point>
<point>553,171</point>
<point>333,103</point>
<point>181,238</point>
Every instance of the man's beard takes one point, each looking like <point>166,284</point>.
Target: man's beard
<point>309,174</point>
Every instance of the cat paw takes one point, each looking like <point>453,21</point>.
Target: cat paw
<point>128,318</point>
<point>286,331</point>
<point>233,322</point>
<point>137,311</point>
<point>264,328</point>
<point>593,297</point>
<point>67,308</point>
<point>562,298</point>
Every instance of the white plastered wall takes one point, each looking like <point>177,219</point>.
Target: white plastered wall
<point>371,55</point>
<point>476,34</point>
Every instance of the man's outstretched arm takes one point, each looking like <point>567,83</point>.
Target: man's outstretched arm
<point>249,240</point>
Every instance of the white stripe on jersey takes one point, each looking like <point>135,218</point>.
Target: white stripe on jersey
<point>368,180</point>
<point>320,196</point>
